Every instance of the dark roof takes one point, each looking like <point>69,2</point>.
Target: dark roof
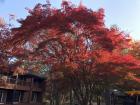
<point>34,74</point>
<point>28,74</point>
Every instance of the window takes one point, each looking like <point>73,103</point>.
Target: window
<point>18,96</point>
<point>9,97</point>
<point>138,100</point>
<point>2,96</point>
<point>36,97</point>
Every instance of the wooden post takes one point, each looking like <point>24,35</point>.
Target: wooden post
<point>30,90</point>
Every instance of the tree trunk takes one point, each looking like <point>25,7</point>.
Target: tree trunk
<point>57,99</point>
<point>98,100</point>
<point>107,97</point>
<point>71,96</point>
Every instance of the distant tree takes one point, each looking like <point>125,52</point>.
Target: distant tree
<point>8,61</point>
<point>2,22</point>
<point>135,50</point>
<point>83,55</point>
<point>4,36</point>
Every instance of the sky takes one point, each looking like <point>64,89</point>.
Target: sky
<point>123,13</point>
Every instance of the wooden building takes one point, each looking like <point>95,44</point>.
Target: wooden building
<point>21,90</point>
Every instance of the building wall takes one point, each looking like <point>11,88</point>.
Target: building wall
<point>29,91</point>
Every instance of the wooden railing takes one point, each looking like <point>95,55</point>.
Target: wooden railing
<point>14,81</point>
<point>17,83</point>
<point>10,83</point>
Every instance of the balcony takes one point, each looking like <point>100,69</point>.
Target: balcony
<point>11,83</point>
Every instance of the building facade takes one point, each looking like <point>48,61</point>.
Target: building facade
<point>21,90</point>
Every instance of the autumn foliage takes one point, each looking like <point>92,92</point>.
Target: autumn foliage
<point>82,54</point>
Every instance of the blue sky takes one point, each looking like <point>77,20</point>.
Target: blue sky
<point>123,13</point>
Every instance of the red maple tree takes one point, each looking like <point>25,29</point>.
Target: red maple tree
<point>81,52</point>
